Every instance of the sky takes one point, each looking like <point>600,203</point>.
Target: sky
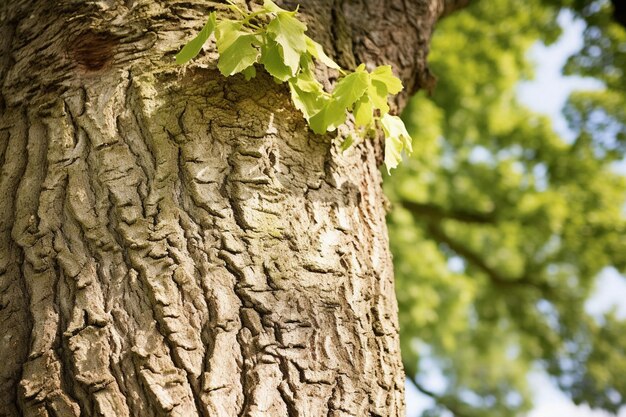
<point>547,93</point>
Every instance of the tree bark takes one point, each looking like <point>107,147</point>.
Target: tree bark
<point>177,243</point>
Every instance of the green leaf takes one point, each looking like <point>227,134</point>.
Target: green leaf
<point>288,32</point>
<point>397,139</point>
<point>306,77</point>
<point>349,89</point>
<point>271,7</point>
<point>193,47</point>
<point>308,95</point>
<point>308,103</point>
<point>384,75</point>
<point>383,82</point>
<point>364,111</point>
<point>377,92</point>
<point>227,32</point>
<point>316,50</point>
<point>273,61</point>
<point>326,120</point>
<point>249,72</point>
<point>239,55</point>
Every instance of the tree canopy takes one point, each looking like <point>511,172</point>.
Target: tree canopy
<point>500,227</point>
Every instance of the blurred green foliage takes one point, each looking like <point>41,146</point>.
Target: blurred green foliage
<point>500,227</point>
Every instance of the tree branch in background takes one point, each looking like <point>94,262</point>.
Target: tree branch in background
<point>436,232</point>
<point>434,211</point>
<point>440,399</point>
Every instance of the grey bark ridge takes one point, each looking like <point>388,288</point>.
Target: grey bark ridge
<point>177,243</point>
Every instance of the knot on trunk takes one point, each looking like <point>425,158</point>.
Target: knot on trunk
<point>91,50</point>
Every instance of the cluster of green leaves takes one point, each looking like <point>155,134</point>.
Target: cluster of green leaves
<point>275,38</point>
<point>501,228</point>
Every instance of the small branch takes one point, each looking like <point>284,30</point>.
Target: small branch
<point>437,212</point>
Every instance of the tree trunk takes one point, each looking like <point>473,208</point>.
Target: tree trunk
<point>177,243</point>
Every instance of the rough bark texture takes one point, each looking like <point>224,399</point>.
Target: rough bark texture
<point>177,243</point>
